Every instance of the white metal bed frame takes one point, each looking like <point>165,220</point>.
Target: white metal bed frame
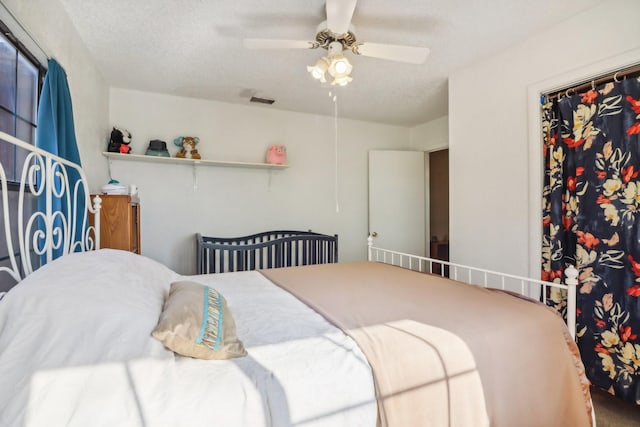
<point>46,176</point>
<point>486,278</point>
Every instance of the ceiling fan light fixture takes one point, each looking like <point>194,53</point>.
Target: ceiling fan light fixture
<point>339,66</point>
<point>318,71</point>
<point>341,80</point>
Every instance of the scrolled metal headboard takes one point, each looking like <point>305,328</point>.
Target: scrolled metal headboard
<point>46,233</point>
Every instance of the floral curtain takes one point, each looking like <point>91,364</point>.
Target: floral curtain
<point>591,218</point>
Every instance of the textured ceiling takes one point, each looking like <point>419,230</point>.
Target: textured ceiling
<point>194,48</point>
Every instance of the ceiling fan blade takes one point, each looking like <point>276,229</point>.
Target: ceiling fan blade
<point>278,44</point>
<point>339,14</point>
<point>410,54</point>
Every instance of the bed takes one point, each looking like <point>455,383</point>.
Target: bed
<point>378,342</point>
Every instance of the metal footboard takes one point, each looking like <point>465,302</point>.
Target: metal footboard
<point>485,278</point>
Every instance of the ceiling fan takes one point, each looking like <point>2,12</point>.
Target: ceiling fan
<point>336,35</point>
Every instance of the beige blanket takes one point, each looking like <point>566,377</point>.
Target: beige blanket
<point>445,353</point>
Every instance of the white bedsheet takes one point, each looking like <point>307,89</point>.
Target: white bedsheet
<point>76,350</point>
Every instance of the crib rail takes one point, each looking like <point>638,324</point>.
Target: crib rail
<point>271,249</point>
<point>485,278</point>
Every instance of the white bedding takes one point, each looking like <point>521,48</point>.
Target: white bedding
<point>76,350</point>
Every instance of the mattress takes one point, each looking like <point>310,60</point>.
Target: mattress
<point>76,350</point>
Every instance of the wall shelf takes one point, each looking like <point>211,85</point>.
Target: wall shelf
<point>195,162</point>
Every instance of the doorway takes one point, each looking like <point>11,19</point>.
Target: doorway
<point>439,204</point>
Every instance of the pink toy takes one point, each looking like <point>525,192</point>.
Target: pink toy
<point>277,155</point>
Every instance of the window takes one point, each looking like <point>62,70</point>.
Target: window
<point>20,83</point>
<point>21,77</point>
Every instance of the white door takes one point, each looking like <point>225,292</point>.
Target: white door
<point>397,200</point>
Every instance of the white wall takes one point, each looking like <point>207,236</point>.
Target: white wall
<point>50,26</point>
<point>493,175</point>
<point>231,201</point>
<point>431,136</point>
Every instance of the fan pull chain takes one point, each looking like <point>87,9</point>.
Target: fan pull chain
<point>335,147</point>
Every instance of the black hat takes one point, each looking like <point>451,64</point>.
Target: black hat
<point>157,148</point>
<point>157,145</point>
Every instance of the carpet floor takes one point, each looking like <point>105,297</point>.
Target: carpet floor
<point>614,412</point>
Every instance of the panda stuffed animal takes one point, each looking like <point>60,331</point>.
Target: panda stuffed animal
<point>119,141</point>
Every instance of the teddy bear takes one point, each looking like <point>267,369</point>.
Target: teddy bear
<point>277,155</point>
<point>187,146</point>
<point>119,141</point>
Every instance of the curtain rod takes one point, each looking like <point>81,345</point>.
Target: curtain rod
<point>26,31</point>
<point>616,76</point>
<point>20,46</point>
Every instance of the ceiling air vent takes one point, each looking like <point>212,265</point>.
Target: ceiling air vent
<point>262,100</point>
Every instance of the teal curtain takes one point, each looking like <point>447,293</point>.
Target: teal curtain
<point>55,133</point>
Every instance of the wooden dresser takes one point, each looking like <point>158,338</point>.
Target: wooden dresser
<point>119,222</point>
